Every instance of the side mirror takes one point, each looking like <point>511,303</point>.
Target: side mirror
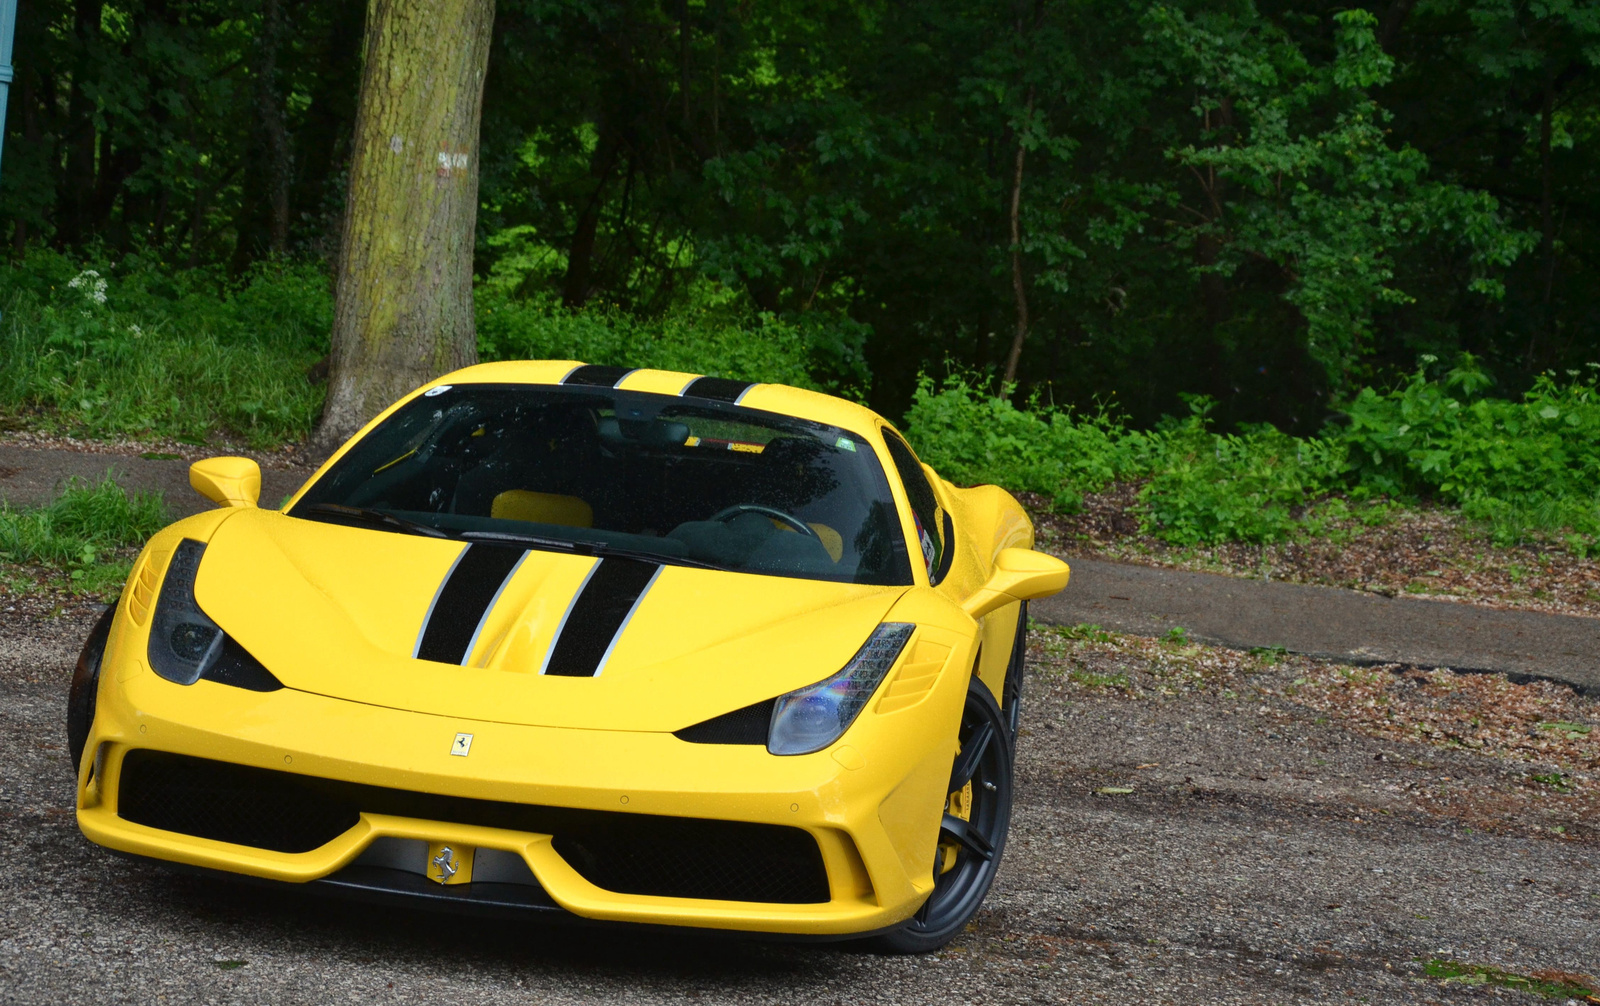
<point>227,481</point>
<point>1020,574</point>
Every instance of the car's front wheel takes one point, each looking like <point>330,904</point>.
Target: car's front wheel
<point>85,683</point>
<point>977,814</point>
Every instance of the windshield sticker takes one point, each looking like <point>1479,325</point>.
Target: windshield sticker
<point>846,444</point>
<point>727,445</point>
<point>930,554</point>
<point>435,392</point>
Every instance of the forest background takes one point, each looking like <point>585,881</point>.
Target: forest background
<point>1256,258</point>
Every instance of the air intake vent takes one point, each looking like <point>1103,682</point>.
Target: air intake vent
<point>230,803</point>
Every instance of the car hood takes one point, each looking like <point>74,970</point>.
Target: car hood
<point>337,611</point>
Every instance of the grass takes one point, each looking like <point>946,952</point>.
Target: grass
<point>85,533</point>
<point>150,353</point>
<point>1545,984</point>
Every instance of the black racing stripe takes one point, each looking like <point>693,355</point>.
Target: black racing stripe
<point>718,389</point>
<point>593,375</point>
<point>464,600</point>
<point>597,616</point>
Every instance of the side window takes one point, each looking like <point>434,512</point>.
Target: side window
<point>925,508</point>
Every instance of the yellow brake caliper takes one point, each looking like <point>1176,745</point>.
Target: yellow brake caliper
<point>960,806</point>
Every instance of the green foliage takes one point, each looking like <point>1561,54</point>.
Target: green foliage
<point>765,348</point>
<point>1206,487</point>
<point>139,349</point>
<point>80,526</point>
<point>1520,465</point>
<point>1200,487</point>
<point>972,437</point>
<point>1546,985</point>
<point>1524,467</point>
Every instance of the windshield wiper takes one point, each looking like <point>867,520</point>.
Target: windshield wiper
<point>594,548</point>
<point>374,517</point>
<point>511,538</point>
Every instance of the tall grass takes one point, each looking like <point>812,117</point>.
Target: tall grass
<point>84,523</point>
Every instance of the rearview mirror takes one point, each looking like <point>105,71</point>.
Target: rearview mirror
<point>1020,574</point>
<point>227,481</point>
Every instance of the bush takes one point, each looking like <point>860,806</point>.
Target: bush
<point>974,437</point>
<point>1207,488</point>
<point>1200,487</point>
<point>765,349</point>
<point>1526,465</point>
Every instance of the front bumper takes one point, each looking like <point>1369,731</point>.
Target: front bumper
<point>872,803</point>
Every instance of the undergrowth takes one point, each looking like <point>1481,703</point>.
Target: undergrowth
<point>82,531</point>
<point>1524,468</point>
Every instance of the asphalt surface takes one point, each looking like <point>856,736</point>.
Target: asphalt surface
<point>1262,856</point>
<point>1329,622</point>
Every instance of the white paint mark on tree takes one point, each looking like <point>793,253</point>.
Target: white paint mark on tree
<point>451,162</point>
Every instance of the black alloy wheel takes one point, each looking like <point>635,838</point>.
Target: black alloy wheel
<point>1011,691</point>
<point>85,686</point>
<point>972,836</point>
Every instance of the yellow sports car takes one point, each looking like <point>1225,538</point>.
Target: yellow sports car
<point>628,645</point>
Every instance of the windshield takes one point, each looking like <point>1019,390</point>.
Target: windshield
<point>701,483</point>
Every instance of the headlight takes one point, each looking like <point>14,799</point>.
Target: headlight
<point>186,645</point>
<point>183,640</point>
<point>811,718</point>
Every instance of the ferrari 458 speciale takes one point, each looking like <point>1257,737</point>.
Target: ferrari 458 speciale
<point>621,645</point>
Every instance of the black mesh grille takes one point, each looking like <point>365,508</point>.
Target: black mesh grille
<point>229,803</point>
<point>686,858</point>
<point>626,853</point>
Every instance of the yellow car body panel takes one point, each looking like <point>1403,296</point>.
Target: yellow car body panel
<point>334,612</point>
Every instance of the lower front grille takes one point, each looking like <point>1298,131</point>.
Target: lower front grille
<point>642,854</point>
<point>687,858</point>
<point>230,803</point>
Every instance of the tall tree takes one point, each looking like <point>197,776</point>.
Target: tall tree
<point>403,311</point>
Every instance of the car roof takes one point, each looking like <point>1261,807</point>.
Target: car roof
<point>779,398</point>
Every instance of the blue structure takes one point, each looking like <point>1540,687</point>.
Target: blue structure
<point>8,29</point>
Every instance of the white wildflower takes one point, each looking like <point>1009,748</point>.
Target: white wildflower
<point>91,284</point>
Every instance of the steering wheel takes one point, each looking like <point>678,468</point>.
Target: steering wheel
<point>766,511</point>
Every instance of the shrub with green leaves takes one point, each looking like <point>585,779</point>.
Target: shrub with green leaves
<point>1520,465</point>
<point>974,437</point>
<point>1200,486</point>
<point>763,349</point>
<point>1206,487</point>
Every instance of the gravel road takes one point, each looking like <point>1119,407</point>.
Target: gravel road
<point>1263,856</point>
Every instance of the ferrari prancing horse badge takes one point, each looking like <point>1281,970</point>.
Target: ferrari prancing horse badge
<point>462,745</point>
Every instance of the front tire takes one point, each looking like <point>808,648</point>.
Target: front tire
<point>85,687</point>
<point>973,833</point>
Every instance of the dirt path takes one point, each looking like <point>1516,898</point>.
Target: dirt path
<point>1261,856</point>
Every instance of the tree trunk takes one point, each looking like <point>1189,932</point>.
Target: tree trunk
<point>77,185</point>
<point>1547,226</point>
<point>1019,289</point>
<point>580,255</point>
<point>403,310</point>
<point>273,127</point>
